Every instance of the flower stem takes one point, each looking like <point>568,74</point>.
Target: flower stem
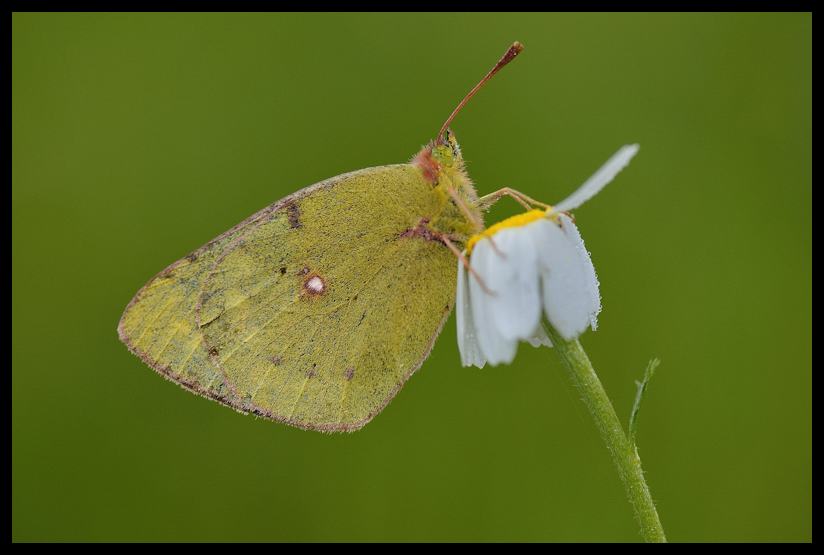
<point>623,452</point>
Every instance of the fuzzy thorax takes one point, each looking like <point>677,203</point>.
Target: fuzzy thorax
<point>443,168</point>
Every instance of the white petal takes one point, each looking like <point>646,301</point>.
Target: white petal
<point>516,309</point>
<point>565,281</point>
<point>598,181</point>
<point>539,337</point>
<point>591,280</point>
<point>467,345</point>
<point>494,347</point>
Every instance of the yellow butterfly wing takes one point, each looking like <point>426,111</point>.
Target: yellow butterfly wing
<point>159,324</point>
<point>314,311</point>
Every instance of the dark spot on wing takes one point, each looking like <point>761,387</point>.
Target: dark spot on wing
<point>293,214</point>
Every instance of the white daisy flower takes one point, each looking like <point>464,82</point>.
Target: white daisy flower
<point>536,263</point>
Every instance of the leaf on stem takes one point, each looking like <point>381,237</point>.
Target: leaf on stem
<point>642,390</point>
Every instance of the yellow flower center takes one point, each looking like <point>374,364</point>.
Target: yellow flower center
<point>515,221</point>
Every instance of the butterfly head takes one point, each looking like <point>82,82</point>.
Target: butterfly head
<point>441,159</point>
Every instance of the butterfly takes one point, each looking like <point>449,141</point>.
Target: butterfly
<point>316,310</point>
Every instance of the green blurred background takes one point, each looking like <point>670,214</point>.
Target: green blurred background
<point>138,138</point>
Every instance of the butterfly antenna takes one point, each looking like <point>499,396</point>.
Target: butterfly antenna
<point>513,51</point>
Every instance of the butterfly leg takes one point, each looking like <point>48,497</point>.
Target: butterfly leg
<point>465,262</point>
<point>485,202</point>
<point>479,227</point>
